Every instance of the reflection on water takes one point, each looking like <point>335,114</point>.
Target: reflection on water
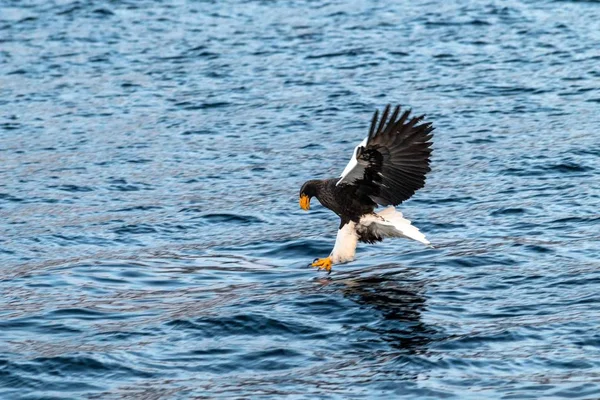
<point>399,297</point>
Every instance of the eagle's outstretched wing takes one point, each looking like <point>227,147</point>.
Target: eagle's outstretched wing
<point>390,165</point>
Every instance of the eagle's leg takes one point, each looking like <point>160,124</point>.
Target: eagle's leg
<point>344,249</point>
<point>323,263</point>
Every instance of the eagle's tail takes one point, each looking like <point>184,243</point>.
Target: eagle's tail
<point>388,223</point>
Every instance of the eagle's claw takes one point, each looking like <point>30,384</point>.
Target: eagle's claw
<point>323,263</point>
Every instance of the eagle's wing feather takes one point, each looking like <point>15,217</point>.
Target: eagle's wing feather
<point>390,165</point>
<point>355,169</point>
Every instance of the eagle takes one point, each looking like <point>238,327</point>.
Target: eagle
<point>386,168</point>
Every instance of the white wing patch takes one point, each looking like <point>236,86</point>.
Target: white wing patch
<point>355,169</point>
<point>390,223</point>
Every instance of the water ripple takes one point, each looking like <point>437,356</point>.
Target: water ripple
<point>152,245</point>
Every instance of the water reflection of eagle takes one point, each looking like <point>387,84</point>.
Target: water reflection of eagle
<point>387,168</point>
<point>399,295</point>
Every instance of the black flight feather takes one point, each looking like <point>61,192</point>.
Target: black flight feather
<point>397,155</point>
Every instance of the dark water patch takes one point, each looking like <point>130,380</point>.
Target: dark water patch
<point>509,211</point>
<point>475,22</point>
<point>203,54</point>
<point>47,328</point>
<point>10,198</point>
<point>481,141</point>
<point>72,188</point>
<point>191,210</point>
<point>10,126</point>
<point>539,249</point>
<point>190,106</point>
<point>298,248</point>
<point>134,229</point>
<point>562,168</point>
<point>63,169</point>
<point>198,132</point>
<point>475,261</point>
<point>26,375</point>
<point>453,199</point>
<point>76,366</point>
<point>577,220</point>
<point>399,53</point>
<point>567,167</point>
<point>69,240</point>
<point>77,313</point>
<point>139,161</point>
<point>103,12</point>
<point>113,336</point>
<point>126,85</point>
<point>244,324</point>
<point>447,226</point>
<point>138,208</point>
<point>130,187</point>
<point>593,151</point>
<point>271,360</point>
<point>237,219</point>
<point>346,53</point>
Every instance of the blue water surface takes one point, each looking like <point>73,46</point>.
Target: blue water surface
<point>151,243</point>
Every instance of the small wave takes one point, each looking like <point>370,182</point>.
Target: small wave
<point>300,248</point>
<point>347,53</point>
<point>242,324</point>
<point>197,132</point>
<point>10,198</point>
<point>137,208</point>
<point>232,218</point>
<point>104,12</point>
<point>570,220</point>
<point>509,211</point>
<point>538,170</point>
<point>567,167</point>
<point>73,188</point>
<point>189,106</point>
<point>135,229</point>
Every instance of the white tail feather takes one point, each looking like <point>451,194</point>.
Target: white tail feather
<point>391,223</point>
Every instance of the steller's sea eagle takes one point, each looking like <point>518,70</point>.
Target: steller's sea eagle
<point>387,168</point>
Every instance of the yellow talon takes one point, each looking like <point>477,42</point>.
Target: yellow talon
<point>323,263</point>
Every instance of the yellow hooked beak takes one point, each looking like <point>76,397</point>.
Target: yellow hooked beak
<point>305,202</point>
